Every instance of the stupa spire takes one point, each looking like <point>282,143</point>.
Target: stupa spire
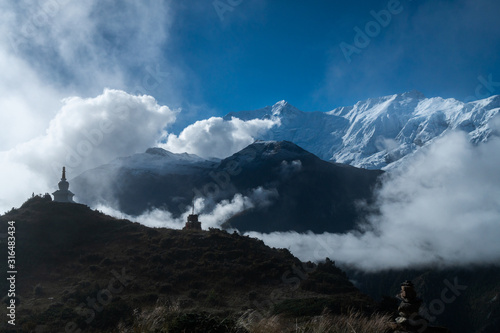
<point>63,194</point>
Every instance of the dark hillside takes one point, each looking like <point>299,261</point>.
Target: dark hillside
<point>78,266</point>
<point>313,194</point>
<point>463,299</point>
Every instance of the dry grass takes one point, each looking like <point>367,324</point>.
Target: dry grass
<point>349,323</point>
<point>150,320</point>
<point>158,320</point>
<point>170,318</point>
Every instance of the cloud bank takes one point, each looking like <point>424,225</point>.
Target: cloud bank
<point>216,137</point>
<point>50,50</point>
<point>53,49</point>
<point>211,214</point>
<point>442,207</point>
<point>88,44</point>
<point>85,133</point>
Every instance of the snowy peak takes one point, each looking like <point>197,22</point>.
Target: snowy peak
<point>159,160</point>
<point>283,108</point>
<point>378,131</point>
<point>282,149</point>
<point>158,151</point>
<point>490,102</point>
<point>375,107</point>
<point>415,94</point>
<point>173,156</point>
<point>280,109</point>
<point>261,151</point>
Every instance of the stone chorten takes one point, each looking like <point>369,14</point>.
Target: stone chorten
<point>192,222</point>
<point>63,194</point>
<point>409,319</point>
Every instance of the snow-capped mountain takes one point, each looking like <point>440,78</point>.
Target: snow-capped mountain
<point>142,180</point>
<point>377,132</point>
<point>162,161</point>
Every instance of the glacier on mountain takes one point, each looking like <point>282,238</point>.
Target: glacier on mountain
<point>377,132</point>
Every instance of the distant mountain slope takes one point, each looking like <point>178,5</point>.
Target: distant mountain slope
<point>374,133</point>
<point>312,194</point>
<point>290,188</point>
<point>133,184</point>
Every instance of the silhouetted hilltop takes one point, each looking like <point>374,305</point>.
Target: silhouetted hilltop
<point>80,267</point>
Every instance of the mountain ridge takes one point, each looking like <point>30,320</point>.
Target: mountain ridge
<point>376,132</point>
<point>276,178</point>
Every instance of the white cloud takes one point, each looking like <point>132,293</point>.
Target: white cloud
<point>263,197</point>
<point>155,218</point>
<point>87,44</point>
<point>386,144</point>
<point>27,103</point>
<point>288,169</point>
<point>442,207</point>
<point>210,215</point>
<point>216,137</point>
<point>58,48</point>
<point>53,49</point>
<point>84,134</point>
<point>224,210</point>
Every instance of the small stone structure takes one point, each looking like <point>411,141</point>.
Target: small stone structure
<point>409,319</point>
<point>63,194</point>
<point>409,307</point>
<point>192,223</point>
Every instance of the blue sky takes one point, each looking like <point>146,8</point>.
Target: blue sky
<point>211,57</point>
<point>264,51</point>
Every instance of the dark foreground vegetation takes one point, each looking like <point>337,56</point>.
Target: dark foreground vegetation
<point>466,300</point>
<point>79,269</point>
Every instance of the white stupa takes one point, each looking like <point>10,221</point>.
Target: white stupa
<point>63,194</point>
